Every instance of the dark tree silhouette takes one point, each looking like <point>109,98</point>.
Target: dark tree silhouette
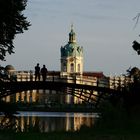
<point>131,90</point>
<point>135,74</point>
<point>12,22</point>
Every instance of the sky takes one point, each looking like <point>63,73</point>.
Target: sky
<point>105,29</point>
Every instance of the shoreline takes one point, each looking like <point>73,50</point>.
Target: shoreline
<point>58,110</point>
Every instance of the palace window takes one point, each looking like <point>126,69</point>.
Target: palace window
<point>78,67</point>
<point>71,67</point>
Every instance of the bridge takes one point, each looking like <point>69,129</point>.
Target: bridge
<point>93,93</point>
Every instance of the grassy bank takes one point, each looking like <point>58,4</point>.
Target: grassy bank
<point>88,134</point>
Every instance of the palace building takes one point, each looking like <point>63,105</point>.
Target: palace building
<point>72,62</point>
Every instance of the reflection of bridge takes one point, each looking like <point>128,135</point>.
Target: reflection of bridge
<point>88,93</point>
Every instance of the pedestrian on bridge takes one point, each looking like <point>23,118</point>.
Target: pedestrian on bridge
<point>44,72</point>
<point>37,72</point>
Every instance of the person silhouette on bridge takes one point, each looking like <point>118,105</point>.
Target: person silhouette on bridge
<point>44,72</point>
<point>37,72</point>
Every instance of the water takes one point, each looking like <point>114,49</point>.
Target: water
<point>52,121</point>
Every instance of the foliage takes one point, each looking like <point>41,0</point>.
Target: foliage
<point>8,108</point>
<point>3,74</point>
<point>134,73</point>
<point>130,92</point>
<point>8,119</point>
<point>12,22</point>
<point>136,46</point>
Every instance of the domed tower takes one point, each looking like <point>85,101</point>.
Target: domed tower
<point>10,69</point>
<point>72,56</point>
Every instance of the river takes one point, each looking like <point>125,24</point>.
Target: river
<point>52,121</point>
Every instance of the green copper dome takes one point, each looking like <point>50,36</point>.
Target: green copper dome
<point>72,48</point>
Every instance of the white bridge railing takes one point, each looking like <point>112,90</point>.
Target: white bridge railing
<point>110,82</point>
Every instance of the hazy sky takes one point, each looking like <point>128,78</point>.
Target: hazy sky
<point>103,27</point>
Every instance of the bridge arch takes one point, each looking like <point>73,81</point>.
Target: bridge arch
<point>88,93</point>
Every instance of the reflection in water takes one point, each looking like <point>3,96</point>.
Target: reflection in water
<point>8,122</point>
<point>48,121</point>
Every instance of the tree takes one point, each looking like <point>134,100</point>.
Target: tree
<point>135,74</point>
<point>12,22</point>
